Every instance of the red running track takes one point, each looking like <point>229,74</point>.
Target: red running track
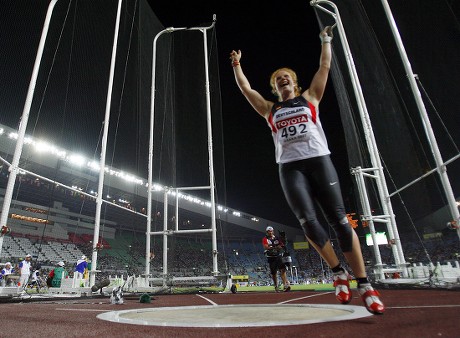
<point>409,313</point>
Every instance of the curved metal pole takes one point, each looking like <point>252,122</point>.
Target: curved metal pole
<point>210,148</point>
<point>14,169</point>
<point>370,139</point>
<point>150,165</point>
<point>151,150</point>
<point>210,153</point>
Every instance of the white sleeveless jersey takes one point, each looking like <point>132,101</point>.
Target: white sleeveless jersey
<point>297,131</point>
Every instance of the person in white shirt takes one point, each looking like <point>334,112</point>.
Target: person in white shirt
<point>24,271</point>
<point>7,270</point>
<point>80,267</point>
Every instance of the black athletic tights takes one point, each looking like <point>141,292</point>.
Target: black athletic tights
<point>310,180</point>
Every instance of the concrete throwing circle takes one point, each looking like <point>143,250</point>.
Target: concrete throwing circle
<point>247,315</point>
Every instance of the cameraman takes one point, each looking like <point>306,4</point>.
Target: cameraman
<point>274,248</point>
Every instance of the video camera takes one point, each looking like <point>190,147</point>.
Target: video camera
<point>282,235</point>
<point>286,259</point>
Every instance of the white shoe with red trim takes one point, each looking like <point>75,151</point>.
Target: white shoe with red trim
<point>371,299</point>
<point>342,287</point>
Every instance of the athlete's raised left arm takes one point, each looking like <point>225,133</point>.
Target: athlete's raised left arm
<point>315,92</point>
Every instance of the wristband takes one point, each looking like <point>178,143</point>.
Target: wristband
<point>326,39</point>
<point>235,63</point>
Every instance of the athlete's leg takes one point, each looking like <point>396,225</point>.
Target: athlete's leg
<point>274,271</point>
<point>299,195</point>
<point>329,196</point>
<point>285,280</point>
<point>282,270</point>
<point>298,190</point>
<point>275,279</point>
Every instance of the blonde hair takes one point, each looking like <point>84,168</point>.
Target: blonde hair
<point>297,89</point>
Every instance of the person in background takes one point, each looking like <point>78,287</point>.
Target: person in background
<point>80,267</point>
<point>24,271</point>
<point>307,174</point>
<point>56,275</point>
<point>274,249</point>
<point>34,277</point>
<point>7,270</point>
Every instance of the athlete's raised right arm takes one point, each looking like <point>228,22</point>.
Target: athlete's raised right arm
<point>256,100</point>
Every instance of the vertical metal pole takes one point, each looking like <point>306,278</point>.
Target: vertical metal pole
<point>176,211</point>
<point>441,167</point>
<point>14,169</point>
<point>370,139</point>
<point>358,172</point>
<point>150,165</point>
<point>100,189</point>
<point>211,160</point>
<point>165,237</point>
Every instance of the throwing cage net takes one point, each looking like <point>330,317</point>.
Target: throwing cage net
<point>419,201</point>
<point>94,66</point>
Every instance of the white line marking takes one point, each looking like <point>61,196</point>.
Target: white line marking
<point>207,299</point>
<point>421,306</point>
<point>310,296</point>
<point>82,310</point>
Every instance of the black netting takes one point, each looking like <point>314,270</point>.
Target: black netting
<point>181,135</point>
<point>70,96</point>
<point>69,107</point>
<point>430,42</point>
